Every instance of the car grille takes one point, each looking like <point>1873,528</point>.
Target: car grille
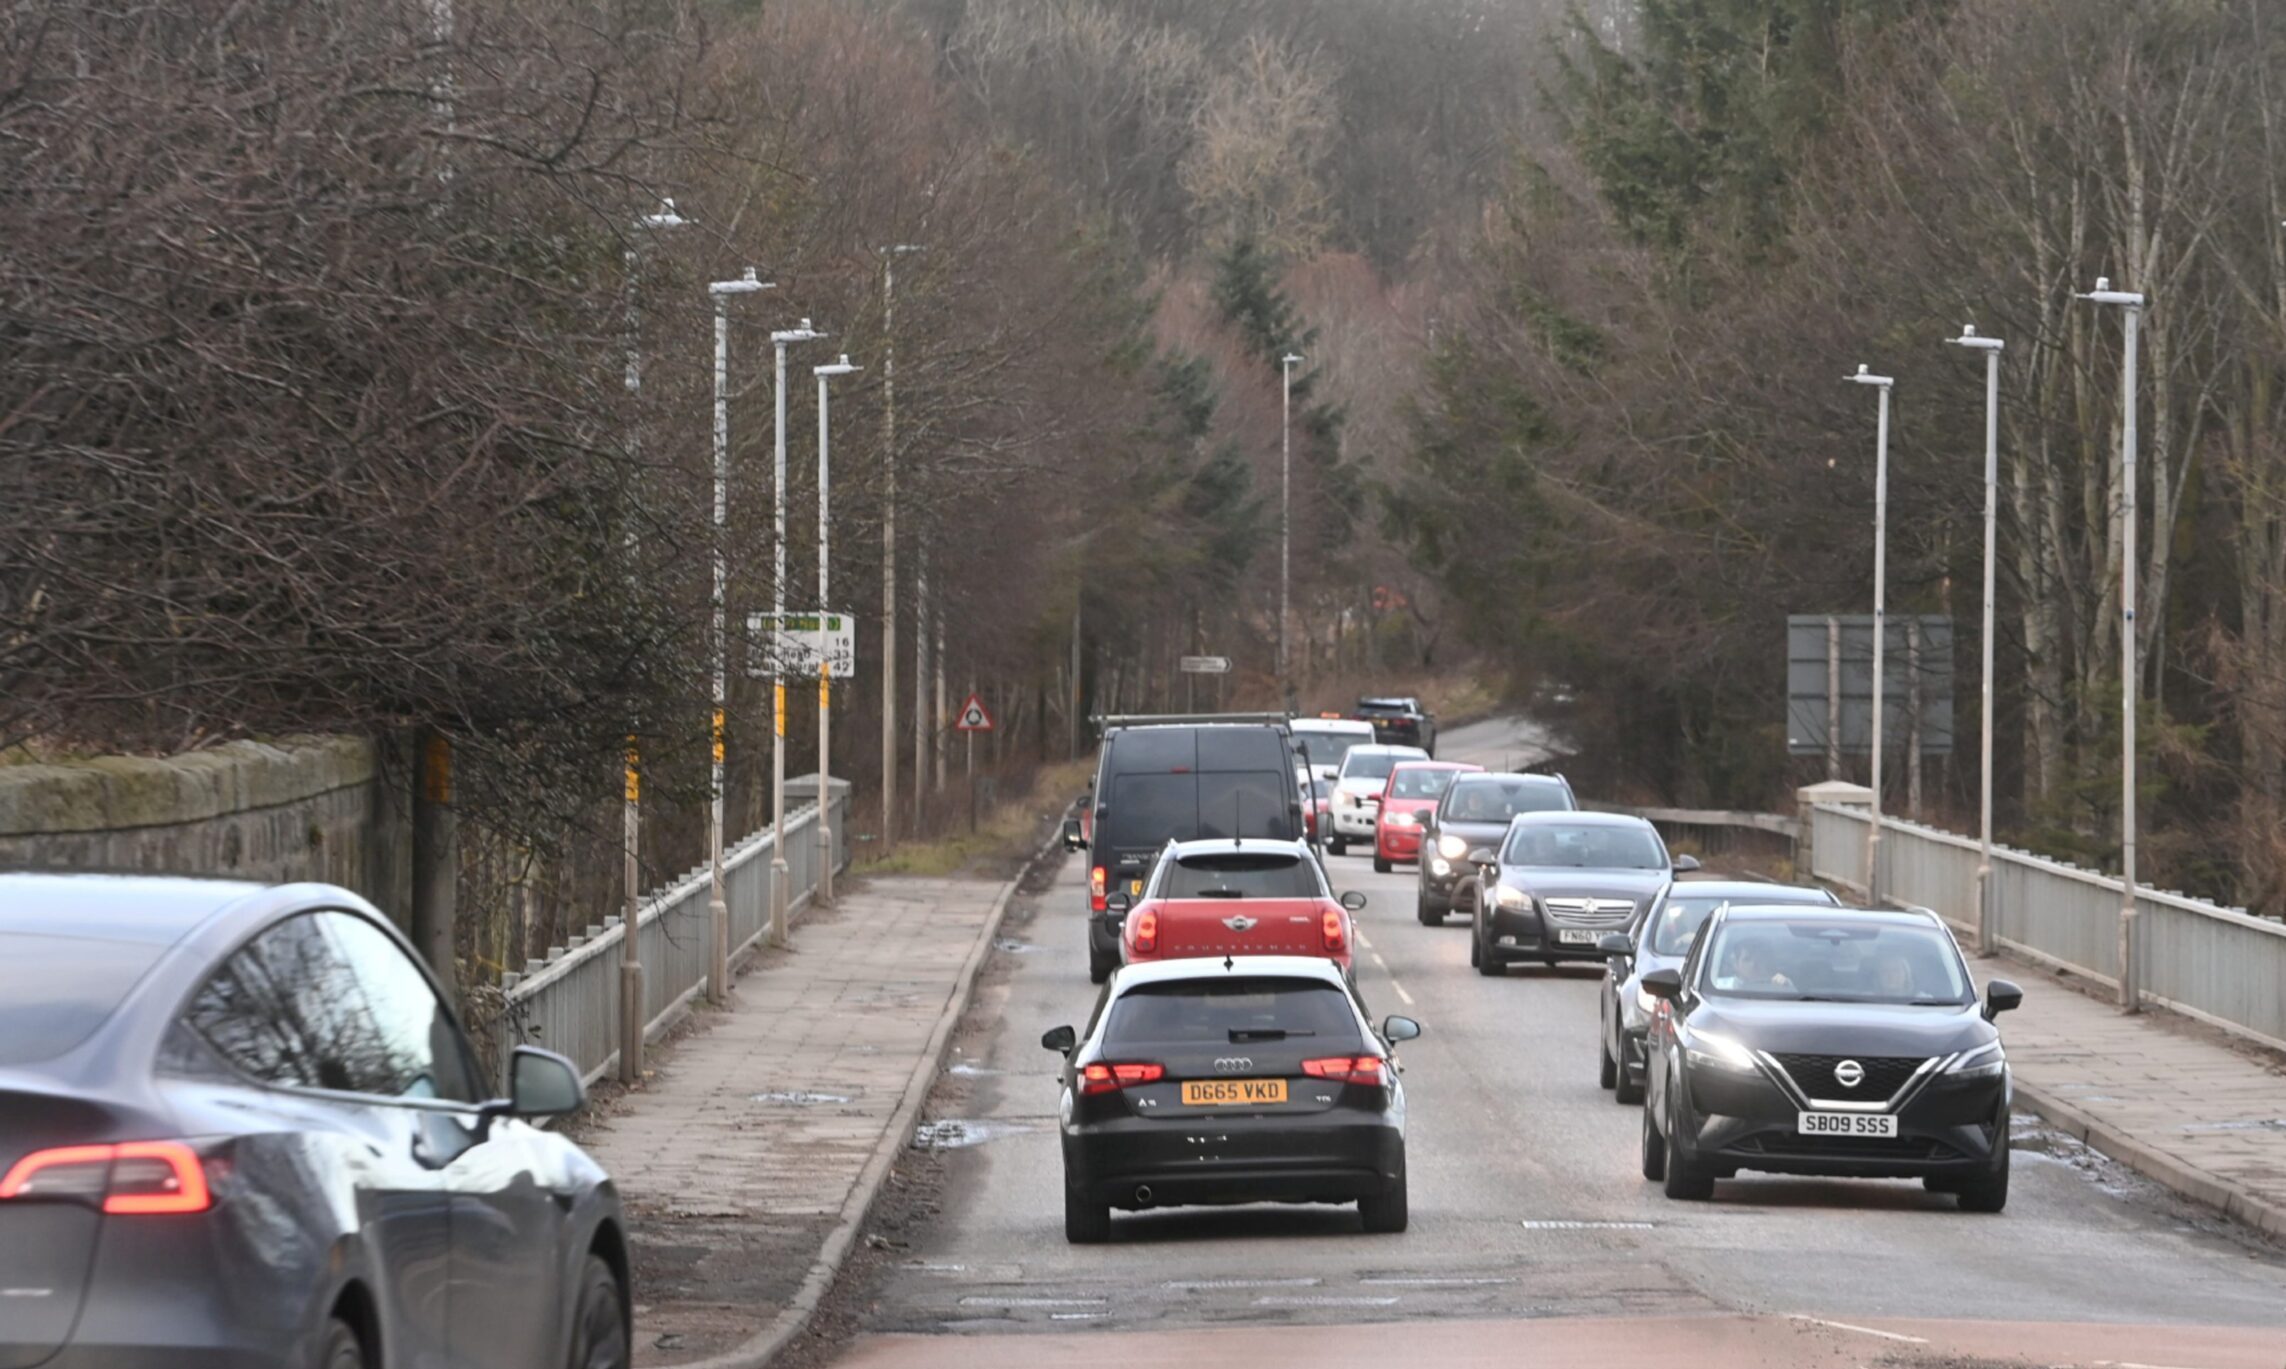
<point>1600,912</point>
<point>1849,1147</point>
<point>1884,1075</point>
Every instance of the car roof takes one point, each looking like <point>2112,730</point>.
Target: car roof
<point>1355,726</point>
<point>154,910</point>
<point>1389,749</point>
<point>1437,765</point>
<point>1388,701</point>
<point>1245,846</point>
<point>1512,776</point>
<point>1205,967</point>
<point>1745,892</point>
<point>1784,912</point>
<point>1578,818</point>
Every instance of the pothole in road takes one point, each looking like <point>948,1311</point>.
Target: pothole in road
<point>800,1098</point>
<point>958,1133</point>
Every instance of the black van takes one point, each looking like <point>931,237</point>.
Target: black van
<point>1177,780</point>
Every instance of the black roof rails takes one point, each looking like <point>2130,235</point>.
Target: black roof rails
<point>1111,720</point>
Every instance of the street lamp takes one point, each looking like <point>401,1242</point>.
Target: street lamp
<point>889,257</point>
<point>1991,347</point>
<point>2133,304</point>
<point>1286,365</point>
<point>631,1012</point>
<point>718,907</point>
<point>1880,616</point>
<point>825,601</point>
<point>779,871</point>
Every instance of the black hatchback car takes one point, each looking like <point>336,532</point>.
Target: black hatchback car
<point>1248,1079</point>
<point>239,1126</point>
<point>1835,1042</point>
<point>1474,814</point>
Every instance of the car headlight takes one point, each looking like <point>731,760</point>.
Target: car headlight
<point>1514,899</point>
<point>1440,867</point>
<point>1987,1061</point>
<point>1344,799</point>
<point>1401,820</point>
<point>1452,846</point>
<point>1708,1051</point>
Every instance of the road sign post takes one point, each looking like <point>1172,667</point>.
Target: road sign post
<point>973,718</point>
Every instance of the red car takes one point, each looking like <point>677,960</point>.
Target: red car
<point>1407,801</point>
<point>1317,803</point>
<point>1222,897</point>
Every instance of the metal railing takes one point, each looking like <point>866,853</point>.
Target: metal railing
<point>569,1002</point>
<point>2221,965</point>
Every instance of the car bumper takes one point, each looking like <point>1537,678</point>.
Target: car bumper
<point>1952,1127</point>
<point>1357,823</point>
<point>1332,1157</point>
<point>1519,934</point>
<point>1397,843</point>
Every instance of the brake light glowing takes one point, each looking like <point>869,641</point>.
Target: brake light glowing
<point>137,1178</point>
<point>1337,937</point>
<point>1098,886</point>
<point>1110,1078</point>
<point>1146,931</point>
<point>1347,1069</point>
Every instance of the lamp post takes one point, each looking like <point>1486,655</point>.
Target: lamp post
<point>1880,615</point>
<point>631,1004</point>
<point>779,872</point>
<point>889,257</point>
<point>1991,347</point>
<point>718,907</point>
<point>2129,970</point>
<point>825,669</point>
<point>1286,365</point>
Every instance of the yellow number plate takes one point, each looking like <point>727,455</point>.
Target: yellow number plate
<point>1202,1093</point>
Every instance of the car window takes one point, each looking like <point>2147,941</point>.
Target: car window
<point>1209,1011</point>
<point>1410,783</point>
<point>56,990</point>
<point>1372,765</point>
<point>1268,875</point>
<point>295,1008</point>
<point>1491,800</point>
<point>1329,748</point>
<point>1244,804</point>
<point>1856,961</point>
<point>1155,748</point>
<point>1150,810</point>
<point>1681,915</point>
<point>1586,847</point>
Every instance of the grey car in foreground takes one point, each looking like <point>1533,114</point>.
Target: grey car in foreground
<point>1659,941</point>
<point>1560,882</point>
<point>239,1126</point>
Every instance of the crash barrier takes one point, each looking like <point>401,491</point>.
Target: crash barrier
<point>569,1001</point>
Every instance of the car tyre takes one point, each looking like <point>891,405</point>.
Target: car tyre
<point>1626,1088</point>
<point>340,1348</point>
<point>1335,846</point>
<point>1481,956</point>
<point>1606,1070</point>
<point>1987,1192</point>
<point>599,1320</point>
<point>1099,965</point>
<point>1654,1150</point>
<point>1382,867</point>
<point>1385,1215</point>
<point>1426,915</point>
<point>1689,1179</point>
<point>1085,1223</point>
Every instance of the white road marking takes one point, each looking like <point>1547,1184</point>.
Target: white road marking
<point>1379,961</point>
<point>1195,1285</point>
<point>2132,1364</point>
<point>1561,1224</point>
<point>1861,1330</point>
<point>1326,1301</point>
<point>1434,1281</point>
<point>1401,991</point>
<point>982,1301</point>
<point>1367,942</point>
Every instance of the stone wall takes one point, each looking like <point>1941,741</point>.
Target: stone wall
<point>304,808</point>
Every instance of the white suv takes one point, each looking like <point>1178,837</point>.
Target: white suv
<point>1357,792</point>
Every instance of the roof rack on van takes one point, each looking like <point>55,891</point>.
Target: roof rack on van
<point>1178,719</point>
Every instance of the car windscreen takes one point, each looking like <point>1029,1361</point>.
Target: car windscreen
<point>1372,765</point>
<point>56,990</point>
<point>1237,1008</point>
<point>1329,748</point>
<point>1410,782</point>
<point>1152,810</point>
<point>1585,846</point>
<point>1233,875</point>
<point>1475,800</point>
<point>1680,917</point>
<point>1833,960</point>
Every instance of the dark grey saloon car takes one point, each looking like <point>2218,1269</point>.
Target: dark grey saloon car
<point>239,1126</point>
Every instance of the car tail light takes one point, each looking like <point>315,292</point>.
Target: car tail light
<point>1347,1069</point>
<point>135,1178</point>
<point>1337,937</point>
<point>1146,924</point>
<point>1098,887</point>
<point>1110,1078</point>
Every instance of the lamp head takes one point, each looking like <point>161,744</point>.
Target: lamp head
<point>666,217</point>
<point>838,368</point>
<point>1969,338</point>
<point>804,333</point>
<point>2104,294</point>
<point>1865,376</point>
<point>744,285</point>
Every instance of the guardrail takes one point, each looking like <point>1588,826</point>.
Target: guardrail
<point>2221,965</point>
<point>569,1001</point>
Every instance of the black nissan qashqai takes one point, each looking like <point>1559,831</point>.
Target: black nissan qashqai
<point>1813,1041</point>
<point>1249,1079</point>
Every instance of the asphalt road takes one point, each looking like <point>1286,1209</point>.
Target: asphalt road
<point>1526,1201</point>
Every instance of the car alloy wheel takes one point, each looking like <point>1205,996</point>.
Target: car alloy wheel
<point>341,1349</point>
<point>599,1326</point>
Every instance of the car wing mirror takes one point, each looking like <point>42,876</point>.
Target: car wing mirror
<point>1396,1029</point>
<point>1073,840</point>
<point>541,1083</point>
<point>1685,864</point>
<point>1616,943</point>
<point>2001,995</point>
<point>1059,1039</point>
<point>1354,901</point>
<point>1666,984</point>
<point>1484,856</point>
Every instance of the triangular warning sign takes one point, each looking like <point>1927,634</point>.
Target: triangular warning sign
<point>973,716</point>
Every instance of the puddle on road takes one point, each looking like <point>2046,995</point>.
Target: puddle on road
<point>957,1133</point>
<point>800,1098</point>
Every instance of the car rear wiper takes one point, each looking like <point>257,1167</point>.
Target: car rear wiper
<point>1220,893</point>
<point>1238,1034</point>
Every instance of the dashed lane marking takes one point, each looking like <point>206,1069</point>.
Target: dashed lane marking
<point>981,1300</point>
<point>1401,991</point>
<point>1435,1281</point>
<point>1330,1300</point>
<point>1206,1285</point>
<point>1552,1224</point>
<point>1861,1330</point>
